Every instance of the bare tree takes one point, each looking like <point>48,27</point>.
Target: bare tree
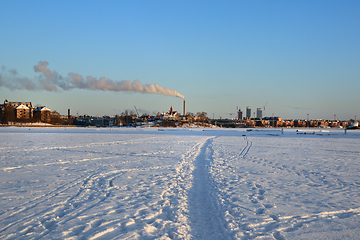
<point>117,120</point>
<point>202,115</point>
<point>55,118</point>
<point>8,115</point>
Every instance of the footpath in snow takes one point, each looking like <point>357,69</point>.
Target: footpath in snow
<point>91,183</point>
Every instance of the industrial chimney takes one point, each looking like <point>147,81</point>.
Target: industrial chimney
<point>184,108</point>
<point>69,113</point>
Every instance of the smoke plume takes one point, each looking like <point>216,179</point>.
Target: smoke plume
<point>51,80</point>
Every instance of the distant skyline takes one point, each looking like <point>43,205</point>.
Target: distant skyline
<point>298,57</point>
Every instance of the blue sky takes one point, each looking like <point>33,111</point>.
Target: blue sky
<point>299,57</point>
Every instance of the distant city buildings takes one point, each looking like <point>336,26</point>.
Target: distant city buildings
<point>171,115</point>
<point>42,113</point>
<point>248,112</point>
<point>259,113</point>
<point>24,112</point>
<point>240,115</point>
<point>20,109</point>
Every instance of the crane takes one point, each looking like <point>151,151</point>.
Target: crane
<point>137,112</point>
<point>264,108</point>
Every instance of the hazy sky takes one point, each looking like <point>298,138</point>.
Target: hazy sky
<point>299,57</point>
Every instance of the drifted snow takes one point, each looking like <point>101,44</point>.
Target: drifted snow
<point>92,183</point>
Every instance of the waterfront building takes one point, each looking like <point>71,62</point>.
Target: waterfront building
<point>248,112</point>
<point>259,113</point>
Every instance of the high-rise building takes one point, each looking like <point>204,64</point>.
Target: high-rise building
<point>248,112</point>
<point>240,114</point>
<point>259,113</point>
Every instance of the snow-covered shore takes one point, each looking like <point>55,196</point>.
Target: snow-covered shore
<point>190,183</point>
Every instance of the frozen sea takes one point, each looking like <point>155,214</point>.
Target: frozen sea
<point>190,183</point>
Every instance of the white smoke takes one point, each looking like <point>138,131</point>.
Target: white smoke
<point>53,81</point>
<point>11,80</point>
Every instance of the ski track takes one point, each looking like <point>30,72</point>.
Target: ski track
<point>92,158</point>
<point>92,191</point>
<point>83,149</point>
<point>94,144</point>
<point>252,219</point>
<point>205,215</point>
<point>164,215</point>
<point>175,198</point>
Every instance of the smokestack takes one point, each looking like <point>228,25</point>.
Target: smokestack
<point>69,113</point>
<point>184,108</point>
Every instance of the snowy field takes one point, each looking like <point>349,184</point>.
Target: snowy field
<point>148,183</point>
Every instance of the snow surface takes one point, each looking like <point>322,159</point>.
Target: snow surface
<point>119,183</point>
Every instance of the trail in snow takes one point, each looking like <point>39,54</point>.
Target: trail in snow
<point>264,196</point>
<point>205,215</point>
<point>176,201</point>
<point>134,192</point>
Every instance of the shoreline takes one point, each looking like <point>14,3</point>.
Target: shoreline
<point>51,126</point>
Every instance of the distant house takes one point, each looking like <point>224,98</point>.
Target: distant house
<point>171,115</point>
<point>15,104</point>
<point>42,113</point>
<point>22,111</point>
